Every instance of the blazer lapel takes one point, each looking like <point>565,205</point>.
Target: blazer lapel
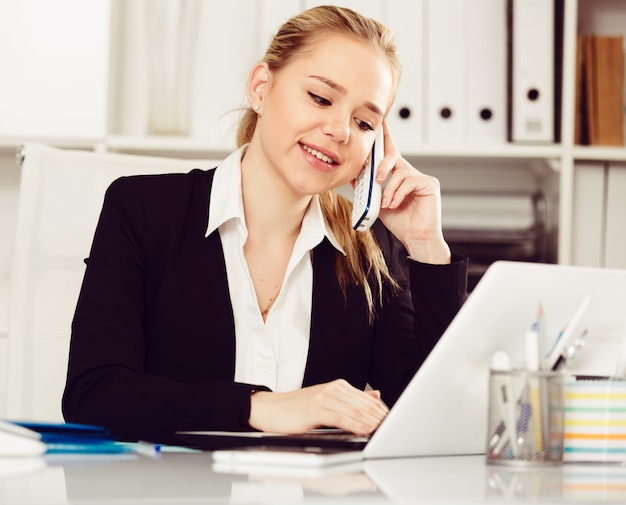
<point>341,337</point>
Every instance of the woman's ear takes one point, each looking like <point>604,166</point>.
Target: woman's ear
<point>257,84</point>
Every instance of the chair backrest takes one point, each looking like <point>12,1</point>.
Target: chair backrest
<point>61,194</point>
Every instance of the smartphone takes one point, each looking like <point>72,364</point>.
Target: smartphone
<point>367,192</point>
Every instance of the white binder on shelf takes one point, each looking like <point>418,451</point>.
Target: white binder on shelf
<point>615,245</point>
<point>486,72</point>
<point>588,218</point>
<point>445,71</point>
<point>406,117</point>
<point>532,100</point>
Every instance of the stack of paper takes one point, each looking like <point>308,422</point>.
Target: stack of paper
<point>595,421</point>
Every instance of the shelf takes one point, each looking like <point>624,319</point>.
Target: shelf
<point>186,147</point>
<point>496,151</point>
<point>183,147</point>
<point>599,153</point>
<point>12,143</point>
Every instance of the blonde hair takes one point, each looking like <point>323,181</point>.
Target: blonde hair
<point>364,262</point>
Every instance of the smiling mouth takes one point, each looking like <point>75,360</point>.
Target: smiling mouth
<point>318,155</point>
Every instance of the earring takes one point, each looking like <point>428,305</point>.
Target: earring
<point>256,107</point>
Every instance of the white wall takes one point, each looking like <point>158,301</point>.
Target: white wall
<point>9,184</point>
<point>54,61</point>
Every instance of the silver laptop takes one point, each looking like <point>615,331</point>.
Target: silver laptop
<point>443,410</point>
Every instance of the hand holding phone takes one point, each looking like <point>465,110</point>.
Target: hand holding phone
<point>368,192</point>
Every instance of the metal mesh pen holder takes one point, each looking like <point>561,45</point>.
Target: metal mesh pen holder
<point>525,424</point>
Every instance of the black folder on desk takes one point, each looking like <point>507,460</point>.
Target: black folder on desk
<point>322,438</point>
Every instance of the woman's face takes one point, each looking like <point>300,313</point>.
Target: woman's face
<point>319,114</point>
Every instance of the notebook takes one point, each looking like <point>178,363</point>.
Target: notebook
<point>443,409</point>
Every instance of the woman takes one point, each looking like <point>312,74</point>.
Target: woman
<point>240,298</point>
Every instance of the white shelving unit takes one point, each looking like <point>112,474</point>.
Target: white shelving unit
<point>596,15</point>
<point>609,154</point>
<point>552,164</point>
<point>551,168</point>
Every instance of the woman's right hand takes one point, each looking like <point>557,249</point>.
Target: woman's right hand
<point>334,404</point>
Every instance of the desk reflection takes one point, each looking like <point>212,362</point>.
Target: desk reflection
<point>529,483</point>
<point>192,478</point>
<point>335,481</point>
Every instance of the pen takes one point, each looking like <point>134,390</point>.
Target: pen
<point>148,449</point>
<point>507,411</point>
<point>571,330</point>
<point>533,361</point>
<point>558,363</point>
<point>541,331</point>
<point>558,338</point>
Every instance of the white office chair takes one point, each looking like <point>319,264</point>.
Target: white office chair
<point>61,194</point>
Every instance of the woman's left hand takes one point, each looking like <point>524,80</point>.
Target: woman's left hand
<point>411,206</point>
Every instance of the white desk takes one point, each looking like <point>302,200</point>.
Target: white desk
<point>189,478</point>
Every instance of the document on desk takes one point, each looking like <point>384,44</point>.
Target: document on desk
<point>75,438</point>
<point>307,457</point>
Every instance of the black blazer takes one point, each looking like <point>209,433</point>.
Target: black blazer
<point>153,342</point>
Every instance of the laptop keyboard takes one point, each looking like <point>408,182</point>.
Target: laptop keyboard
<point>324,438</point>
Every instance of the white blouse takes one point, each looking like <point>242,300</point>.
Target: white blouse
<point>271,353</point>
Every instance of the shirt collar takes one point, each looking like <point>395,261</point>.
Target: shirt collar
<point>226,203</point>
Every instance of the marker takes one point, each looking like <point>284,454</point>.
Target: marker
<point>505,432</point>
<point>533,357</point>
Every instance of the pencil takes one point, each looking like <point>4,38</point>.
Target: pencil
<point>534,393</point>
